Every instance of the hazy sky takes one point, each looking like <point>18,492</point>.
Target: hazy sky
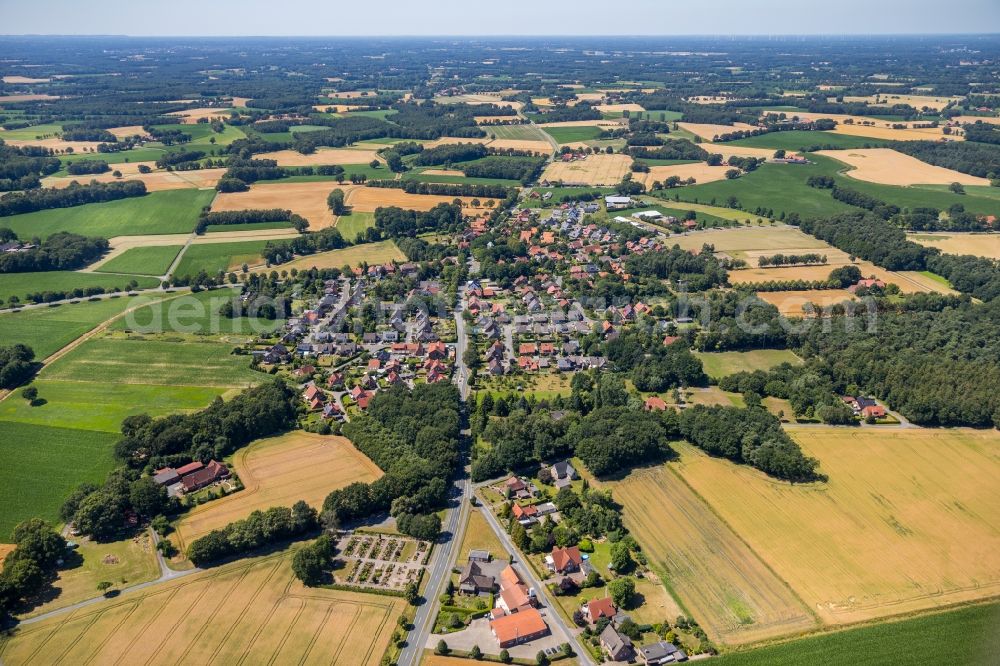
<point>476,17</point>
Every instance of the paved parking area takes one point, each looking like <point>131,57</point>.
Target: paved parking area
<point>478,633</point>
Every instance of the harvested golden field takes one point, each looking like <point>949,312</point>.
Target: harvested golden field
<point>728,150</point>
<point>25,98</point>
<point>191,116</point>
<point>372,253</point>
<point>595,170</point>
<point>482,98</point>
<point>982,245</point>
<point>334,108</point>
<point>452,140</point>
<point>962,120</point>
<point>877,129</point>
<point>321,156</point>
<point>252,611</point>
<point>700,171</point>
<point>306,199</point>
<point>55,143</point>
<point>790,303</point>
<point>239,102</point>
<point>890,167</point>
<point>127,131</point>
<point>279,471</point>
<point>916,101</point>
<point>609,123</point>
<point>367,199</point>
<point>443,172</point>
<point>708,132</point>
<point>737,241</point>
<point>724,584</point>
<point>614,108</point>
<point>590,97</point>
<point>907,520</point>
<point>521,144</point>
<point>908,282</point>
<point>23,79</point>
<point>5,550</point>
<point>155,182</point>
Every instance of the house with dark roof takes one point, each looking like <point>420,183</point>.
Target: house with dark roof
<point>661,652</point>
<point>472,580</point>
<point>563,474</point>
<point>617,646</point>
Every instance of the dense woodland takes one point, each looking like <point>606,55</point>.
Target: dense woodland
<point>14,203</point>
<point>62,251</point>
<point>412,435</point>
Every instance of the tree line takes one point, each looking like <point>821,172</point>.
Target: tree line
<point>250,216</point>
<point>62,251</point>
<point>15,203</point>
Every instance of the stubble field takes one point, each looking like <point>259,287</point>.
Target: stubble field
<point>889,167</point>
<point>279,472</point>
<point>893,530</point>
<point>248,612</point>
<point>734,595</point>
<point>305,199</point>
<point>595,170</point>
<point>982,245</point>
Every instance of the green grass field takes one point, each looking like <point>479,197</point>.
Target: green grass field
<point>573,134</point>
<point>152,260</point>
<point>355,223</point>
<point>798,139</point>
<point>215,257</point>
<point>419,175</point>
<point>262,226</point>
<point>192,313</point>
<point>159,362</point>
<point>783,188</point>
<point>515,132</point>
<point>145,154</point>
<point>170,212</point>
<point>721,364</point>
<point>33,132</point>
<point>64,458</point>
<point>21,284</point>
<point>49,329</point>
<point>559,192</point>
<point>967,636</point>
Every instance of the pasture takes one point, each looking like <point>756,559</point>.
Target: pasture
<point>595,170</point>
<point>215,257</point>
<point>119,360</point>
<point>721,364</point>
<point>889,167</point>
<point>479,536</point>
<point>515,132</point>
<point>964,636</point>
<point>152,260</point>
<point>798,139</point>
<point>280,471</point>
<point>293,158</point>
<point>127,562</point>
<point>719,580</point>
<point>173,212</point>
<point>22,284</point>
<point>62,456</point>
<point>372,253</point>
<point>307,199</point>
<point>893,530</point>
<point>355,223</point>
<point>100,406</point>
<point>158,181</point>
<point>192,313</point>
<point>47,330</point>
<point>983,245</point>
<point>573,134</point>
<point>252,611</point>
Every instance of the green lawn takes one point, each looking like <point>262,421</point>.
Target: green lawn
<point>573,134</point>
<point>959,637</point>
<point>160,362</point>
<point>21,284</point>
<point>192,312</point>
<point>355,223</point>
<point>49,329</point>
<point>152,260</point>
<point>259,226</point>
<point>170,212</point>
<point>798,139</point>
<point>559,192</point>
<point>721,364</point>
<point>33,132</point>
<point>42,465</point>
<point>145,154</point>
<point>215,257</point>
